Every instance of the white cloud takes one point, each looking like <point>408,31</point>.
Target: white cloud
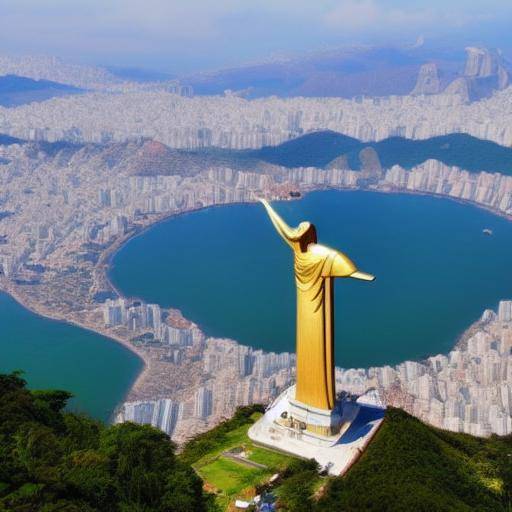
<point>384,15</point>
<point>357,15</point>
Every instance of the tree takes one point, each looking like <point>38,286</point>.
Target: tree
<point>56,461</point>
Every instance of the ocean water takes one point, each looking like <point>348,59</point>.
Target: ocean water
<point>227,270</point>
<point>57,355</point>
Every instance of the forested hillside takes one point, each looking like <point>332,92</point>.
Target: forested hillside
<point>52,460</point>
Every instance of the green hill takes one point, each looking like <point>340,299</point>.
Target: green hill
<point>318,149</point>
<point>6,140</point>
<point>315,149</point>
<point>19,90</point>
<point>411,466</point>
<point>52,460</point>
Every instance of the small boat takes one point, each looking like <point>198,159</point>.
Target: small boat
<point>487,231</point>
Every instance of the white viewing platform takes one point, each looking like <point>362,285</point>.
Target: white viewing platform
<point>336,453</point>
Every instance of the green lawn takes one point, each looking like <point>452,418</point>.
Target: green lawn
<point>231,439</point>
<point>274,460</point>
<point>232,477</point>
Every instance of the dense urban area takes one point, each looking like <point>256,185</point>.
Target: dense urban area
<point>81,174</point>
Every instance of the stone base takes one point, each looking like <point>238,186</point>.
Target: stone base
<point>334,439</point>
<point>321,422</point>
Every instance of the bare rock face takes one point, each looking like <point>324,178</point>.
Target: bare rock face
<point>340,162</point>
<point>370,165</point>
<point>484,73</point>
<point>460,87</point>
<point>503,78</point>
<point>370,162</point>
<point>428,80</point>
<point>481,62</point>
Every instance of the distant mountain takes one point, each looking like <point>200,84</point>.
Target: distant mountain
<point>140,75</point>
<point>347,72</point>
<point>325,149</point>
<point>7,140</point>
<point>485,71</point>
<point>18,90</point>
<point>56,70</point>
<point>315,149</point>
<point>149,157</point>
<point>344,72</point>
<point>140,158</point>
<point>319,149</point>
<point>364,71</point>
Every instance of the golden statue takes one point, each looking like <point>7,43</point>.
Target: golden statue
<point>315,268</point>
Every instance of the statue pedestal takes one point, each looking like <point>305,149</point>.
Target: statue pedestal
<point>335,439</point>
<point>315,421</point>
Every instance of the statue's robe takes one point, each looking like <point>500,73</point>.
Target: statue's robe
<point>315,336</point>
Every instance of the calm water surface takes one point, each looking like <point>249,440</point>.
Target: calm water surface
<point>227,270</point>
<point>98,371</point>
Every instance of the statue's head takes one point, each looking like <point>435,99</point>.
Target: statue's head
<point>306,235</point>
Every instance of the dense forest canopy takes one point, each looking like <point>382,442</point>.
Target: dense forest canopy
<point>52,460</point>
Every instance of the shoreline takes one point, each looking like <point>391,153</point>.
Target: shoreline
<point>93,329</point>
<point>49,316</point>
<point>101,269</point>
<point>391,190</point>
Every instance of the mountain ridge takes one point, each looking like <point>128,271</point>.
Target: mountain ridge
<point>322,149</point>
<point>319,149</point>
<point>18,90</point>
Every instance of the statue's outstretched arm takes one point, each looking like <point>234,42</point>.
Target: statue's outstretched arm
<point>288,234</point>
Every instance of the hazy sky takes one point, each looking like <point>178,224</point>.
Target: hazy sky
<point>184,35</point>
